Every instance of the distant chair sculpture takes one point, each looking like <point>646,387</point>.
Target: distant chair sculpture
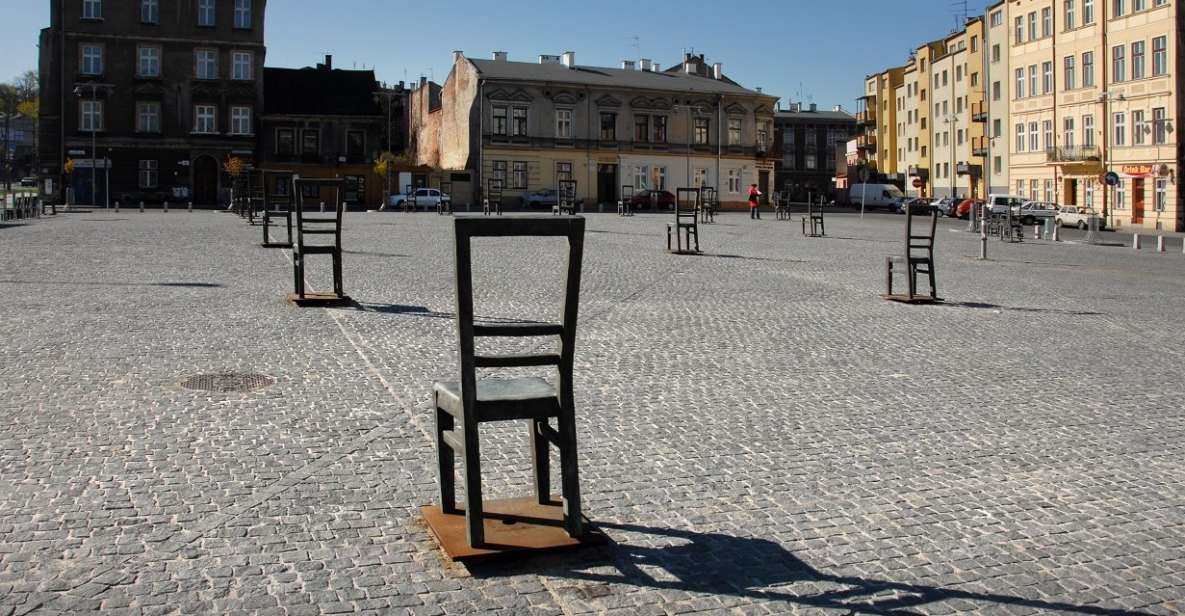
<point>781,206</point>
<point>917,259</point>
<point>277,204</point>
<point>254,194</point>
<point>708,204</point>
<point>625,204</point>
<point>812,221</point>
<point>409,201</point>
<point>492,203</point>
<point>685,227</point>
<point>308,227</point>
<point>462,406</point>
<point>445,205</point>
<point>565,195</point>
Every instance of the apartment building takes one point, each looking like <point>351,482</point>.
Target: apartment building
<point>876,117</point>
<point>154,95</point>
<point>994,146</point>
<point>805,144</point>
<point>532,124</point>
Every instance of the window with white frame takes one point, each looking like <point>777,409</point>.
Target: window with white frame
<point>1047,21</point>
<point>1138,60</point>
<point>641,177</point>
<point>1020,83</point>
<point>148,63</point>
<point>92,9</point>
<point>1119,121</point>
<point>1047,129</point>
<point>1020,188</point>
<point>1068,132</point>
<point>1069,13</point>
<point>699,177</point>
<point>150,11</point>
<point>563,123</point>
<point>148,117</point>
<point>1088,130</point>
<point>1033,91</point>
<point>1118,63</point>
<point>1120,195</point>
<point>1118,8</point>
<point>500,121</point>
<point>149,173</point>
<point>997,18</point>
<point>1159,126</point>
<point>91,113</point>
<point>701,131</point>
<point>243,14</point>
<point>92,59</point>
<point>659,129</point>
<point>205,9</point>
<point>1034,188</point>
<point>240,120</point>
<point>205,119</point>
<point>1087,12</point>
<point>1049,191</point>
<point>1033,26</point>
<point>498,171</point>
<point>1162,194</point>
<point>734,131</point>
<point>242,65</point>
<point>206,64</point>
<point>996,53</point>
<point>1047,77</point>
<point>1020,137</point>
<point>734,181</point>
<point>997,127</point>
<point>1018,30</point>
<point>1138,127</point>
<point>658,178</point>
<point>1160,56</point>
<point>1090,194</point>
<point>810,161</point>
<point>1087,69</point>
<point>518,122</point>
<point>1034,138</point>
<point>518,175</point>
<point>1069,73</point>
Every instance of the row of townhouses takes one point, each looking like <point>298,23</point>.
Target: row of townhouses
<point>1041,99</point>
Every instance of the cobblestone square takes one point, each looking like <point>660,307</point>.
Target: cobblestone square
<point>759,432</point>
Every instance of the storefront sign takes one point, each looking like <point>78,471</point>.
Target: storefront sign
<point>1138,171</point>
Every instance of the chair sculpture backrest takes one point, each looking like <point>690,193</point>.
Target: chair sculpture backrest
<point>318,225</point>
<point>915,244</point>
<point>687,204</point>
<point>707,196</point>
<point>566,196</point>
<point>627,192</point>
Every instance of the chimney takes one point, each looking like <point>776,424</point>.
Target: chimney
<point>837,108</point>
<point>795,107</point>
<point>423,81</point>
<point>717,71</point>
<point>644,64</point>
<point>500,56</point>
<point>627,65</point>
<point>458,55</point>
<point>759,89</point>
<point>570,59</point>
<point>548,59</point>
<point>329,62</point>
<point>689,67</point>
<point>686,57</point>
<point>814,107</point>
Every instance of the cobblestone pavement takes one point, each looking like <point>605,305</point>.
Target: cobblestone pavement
<point>759,432</point>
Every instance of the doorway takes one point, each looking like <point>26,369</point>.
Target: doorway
<point>205,181</point>
<point>1070,192</point>
<point>606,183</point>
<point>1137,201</point>
<point>763,186</point>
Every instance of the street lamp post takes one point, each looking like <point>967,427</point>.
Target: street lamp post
<point>696,110</point>
<point>388,95</point>
<point>79,91</point>
<point>1106,98</point>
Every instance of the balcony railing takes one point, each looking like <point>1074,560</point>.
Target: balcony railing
<point>866,118</point>
<point>1074,154</point>
<point>979,146</point>
<point>978,112</point>
<point>866,141</point>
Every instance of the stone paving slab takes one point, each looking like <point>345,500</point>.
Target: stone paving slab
<point>759,432</point>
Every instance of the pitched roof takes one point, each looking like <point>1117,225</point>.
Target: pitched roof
<point>607,77</point>
<point>319,91</point>
<point>806,115</point>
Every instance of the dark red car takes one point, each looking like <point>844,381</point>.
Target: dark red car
<point>644,200</point>
<point>966,207</point>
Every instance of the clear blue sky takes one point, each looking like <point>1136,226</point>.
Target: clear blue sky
<point>821,49</point>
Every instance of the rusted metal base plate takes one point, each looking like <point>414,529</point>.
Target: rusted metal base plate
<point>276,244</point>
<point>917,299</point>
<point>513,526</point>
<point>686,252</point>
<point>319,300</point>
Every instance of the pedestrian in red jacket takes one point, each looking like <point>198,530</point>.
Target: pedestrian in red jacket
<point>754,211</point>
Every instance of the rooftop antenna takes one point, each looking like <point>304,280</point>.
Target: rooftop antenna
<point>637,45</point>
<point>960,9</point>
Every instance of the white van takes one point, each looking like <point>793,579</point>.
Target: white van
<point>874,195</point>
<point>1000,203</point>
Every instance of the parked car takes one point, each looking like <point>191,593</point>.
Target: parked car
<point>541,198</point>
<point>874,195</point>
<point>1035,212</point>
<point>1074,216</point>
<point>945,206</point>
<point>920,206</point>
<point>29,182</point>
<point>642,199</point>
<point>966,207</point>
<point>426,198</point>
<point>999,203</point>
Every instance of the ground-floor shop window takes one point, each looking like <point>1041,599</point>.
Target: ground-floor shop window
<point>149,173</point>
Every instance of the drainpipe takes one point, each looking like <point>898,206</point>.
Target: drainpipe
<point>719,139</point>
<point>62,98</point>
<point>481,116</point>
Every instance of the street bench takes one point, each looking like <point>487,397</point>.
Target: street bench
<point>310,227</point>
<point>685,227</point>
<point>918,258</point>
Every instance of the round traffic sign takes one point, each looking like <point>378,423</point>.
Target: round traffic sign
<point>918,183</point>
<point>862,174</point>
<point>1111,178</point>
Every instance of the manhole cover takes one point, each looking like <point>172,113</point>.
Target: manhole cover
<point>228,382</point>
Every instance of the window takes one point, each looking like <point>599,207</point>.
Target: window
<point>150,11</point>
<point>1034,189</point>
<point>1159,128</point>
<point>1088,130</point>
<point>1047,21</point>
<point>734,181</point>
<point>149,173</point>
<point>1159,56</point>
<point>1033,80</point>
<point>92,116</point>
<point>974,80</point>
<point>974,43</point>
<point>1138,60</point>
<point>498,171</point>
<point>1068,132</point>
<point>660,129</point>
<point>995,90</point>
<point>1162,195</point>
<point>240,122</point>
<point>563,172</point>
<point>92,9</point>
<point>1020,188</point>
<point>205,16</point>
<point>997,127</point>
<point>609,126</point>
<point>310,142</point>
<point>1034,138</point>
<point>207,64</point>
<point>1047,128</point>
<point>518,174</point>
<point>241,68</point>
<point>958,73</point>
<point>1069,72</point>
<point>1049,191</point>
<point>997,18</point>
<point>1070,13</point>
<point>1118,8</point>
<point>500,121</point>
<point>1087,12</point>
<point>285,142</point>
<point>563,123</point>
<point>1118,64</point>
<point>1047,77</point>
<point>944,76</point>
<point>959,137</point>
<point>998,165</point>
<point>1020,137</point>
<point>148,62</point>
<point>1087,69</point>
<point>1139,5</point>
<point>1090,194</point>
<point>1020,83</point>
<point>1120,196</point>
<point>205,119</point>
<point>518,122</point>
<point>1119,121</point>
<point>699,177</point>
<point>641,177</point>
<point>92,60</point>
<point>734,131</point>
<point>243,14</point>
<point>658,178</point>
<point>641,128</point>
<point>996,53</point>
<point>1033,26</point>
<point>1138,127</point>
<point>1018,33</point>
<point>148,117</point>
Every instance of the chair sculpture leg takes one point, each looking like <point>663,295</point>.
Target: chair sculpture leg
<point>338,287</point>
<point>298,274</point>
<point>475,531</point>
<point>694,230</point>
<point>913,280</point>
<point>541,460</point>
<point>933,279</point>
<point>445,462</point>
<point>888,275</point>
<point>668,238</point>
<point>569,475</point>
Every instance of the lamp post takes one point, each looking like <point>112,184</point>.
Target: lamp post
<point>1106,98</point>
<point>96,118</point>
<point>387,94</point>
<point>696,110</point>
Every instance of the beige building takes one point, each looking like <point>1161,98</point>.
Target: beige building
<point>534,124</point>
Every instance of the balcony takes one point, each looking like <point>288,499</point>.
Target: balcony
<point>866,118</point>
<point>866,141</point>
<point>979,146</point>
<point>979,112</point>
<point>918,172</point>
<point>1077,154</point>
<point>968,169</point>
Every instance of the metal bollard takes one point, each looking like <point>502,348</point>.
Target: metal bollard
<point>190,207</point>
<point>1160,243</point>
<point>141,207</point>
<point>322,207</point>
<point>1135,241</point>
<point>166,208</point>
<point>1056,235</point>
<point>117,206</point>
<point>1036,232</point>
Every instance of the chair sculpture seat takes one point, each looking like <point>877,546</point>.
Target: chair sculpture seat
<point>685,227</point>
<point>625,204</point>
<point>308,227</point>
<point>708,205</point>
<point>277,204</point>
<point>485,528</point>
<point>812,222</point>
<point>918,258</point>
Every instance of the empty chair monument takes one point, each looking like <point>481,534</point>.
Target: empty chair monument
<point>462,406</point>
<point>685,227</point>
<point>565,198</point>
<point>625,204</point>
<point>492,203</point>
<point>312,227</point>
<point>781,206</point>
<point>708,204</point>
<point>812,221</point>
<point>277,205</point>
<point>917,259</point>
<point>445,205</point>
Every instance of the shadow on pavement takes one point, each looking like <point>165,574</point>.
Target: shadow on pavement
<point>756,569</point>
<point>987,306</point>
<point>71,283</point>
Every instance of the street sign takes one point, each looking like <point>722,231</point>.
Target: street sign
<point>1111,178</point>
<point>76,152</point>
<point>918,183</point>
<point>862,174</point>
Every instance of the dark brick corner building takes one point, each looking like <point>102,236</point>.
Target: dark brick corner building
<point>164,91</point>
<point>804,149</point>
